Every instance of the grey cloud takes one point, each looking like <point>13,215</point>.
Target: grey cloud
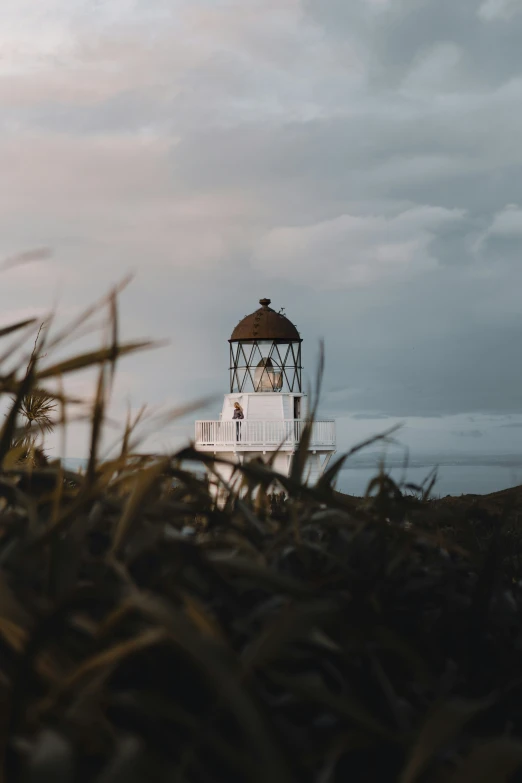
<point>128,112</point>
<point>315,168</point>
<point>424,350</point>
<point>259,157</point>
<point>404,30</point>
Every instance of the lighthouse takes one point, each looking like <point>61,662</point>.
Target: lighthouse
<point>266,384</point>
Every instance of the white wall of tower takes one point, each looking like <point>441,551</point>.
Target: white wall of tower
<point>281,463</point>
<point>264,405</point>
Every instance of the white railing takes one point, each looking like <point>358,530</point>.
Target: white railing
<point>263,434</point>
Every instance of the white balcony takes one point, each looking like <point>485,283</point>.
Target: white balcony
<point>267,435</point>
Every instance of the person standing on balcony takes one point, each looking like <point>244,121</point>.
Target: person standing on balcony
<point>238,414</point>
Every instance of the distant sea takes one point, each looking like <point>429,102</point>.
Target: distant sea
<point>451,479</point>
<point>455,476</point>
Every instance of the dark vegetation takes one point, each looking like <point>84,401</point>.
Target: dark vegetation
<point>294,635</point>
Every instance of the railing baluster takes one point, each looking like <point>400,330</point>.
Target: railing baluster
<point>263,433</point>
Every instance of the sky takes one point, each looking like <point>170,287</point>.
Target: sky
<point>357,162</point>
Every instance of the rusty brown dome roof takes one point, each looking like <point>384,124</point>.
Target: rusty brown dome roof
<point>265,324</point>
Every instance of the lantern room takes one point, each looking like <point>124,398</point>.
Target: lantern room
<point>265,353</point>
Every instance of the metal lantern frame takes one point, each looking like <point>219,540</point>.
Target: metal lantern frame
<point>284,355</point>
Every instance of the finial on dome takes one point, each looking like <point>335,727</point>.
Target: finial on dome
<point>265,302</point>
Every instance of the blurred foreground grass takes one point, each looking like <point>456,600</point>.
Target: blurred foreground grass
<point>289,637</point>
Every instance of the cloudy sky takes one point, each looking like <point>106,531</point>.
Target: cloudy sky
<point>360,163</point>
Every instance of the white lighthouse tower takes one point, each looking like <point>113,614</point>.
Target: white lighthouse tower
<point>265,379</point>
